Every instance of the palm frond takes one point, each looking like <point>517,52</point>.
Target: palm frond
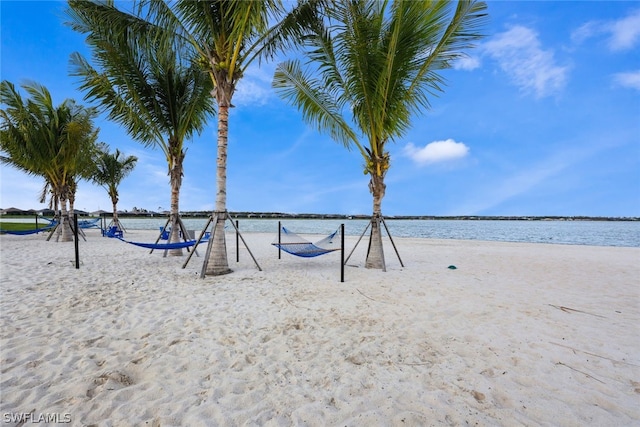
<point>317,106</point>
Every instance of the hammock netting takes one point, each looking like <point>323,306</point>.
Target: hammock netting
<point>164,246</point>
<point>89,223</point>
<point>27,232</point>
<point>293,244</point>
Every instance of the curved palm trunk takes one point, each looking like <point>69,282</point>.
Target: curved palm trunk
<point>176,182</point>
<point>217,264</point>
<point>375,254</point>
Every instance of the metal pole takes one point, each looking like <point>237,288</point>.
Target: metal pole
<point>75,233</point>
<point>279,241</point>
<point>361,236</point>
<point>237,242</point>
<point>392,242</point>
<point>342,253</point>
<point>161,233</point>
<point>214,218</point>
<point>245,244</point>
<point>204,230</point>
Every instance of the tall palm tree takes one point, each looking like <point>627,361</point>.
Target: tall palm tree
<point>227,37</point>
<point>155,90</point>
<point>109,171</point>
<point>47,141</point>
<point>377,61</point>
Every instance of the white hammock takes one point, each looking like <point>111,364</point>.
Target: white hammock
<point>291,243</point>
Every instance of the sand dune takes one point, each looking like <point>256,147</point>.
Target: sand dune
<point>518,334</point>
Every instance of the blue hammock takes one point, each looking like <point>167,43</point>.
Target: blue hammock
<point>89,223</point>
<point>164,246</point>
<point>293,244</point>
<point>27,232</point>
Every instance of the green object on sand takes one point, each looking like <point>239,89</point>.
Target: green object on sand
<point>452,267</point>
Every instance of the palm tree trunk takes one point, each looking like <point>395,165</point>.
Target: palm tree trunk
<point>66,234</point>
<point>176,182</point>
<point>375,254</point>
<point>114,220</point>
<point>217,264</point>
<point>113,194</point>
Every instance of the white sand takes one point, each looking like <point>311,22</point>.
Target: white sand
<point>518,334</point>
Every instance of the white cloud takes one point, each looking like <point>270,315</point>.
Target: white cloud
<point>519,53</point>
<point>255,86</point>
<point>467,63</point>
<point>625,32</point>
<point>630,79</point>
<point>622,34</point>
<point>437,151</point>
<point>585,31</point>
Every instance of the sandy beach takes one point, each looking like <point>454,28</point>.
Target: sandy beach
<point>517,335</point>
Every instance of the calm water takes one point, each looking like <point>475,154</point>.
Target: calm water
<point>597,233</point>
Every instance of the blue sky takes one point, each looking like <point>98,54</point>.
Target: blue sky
<point>543,118</point>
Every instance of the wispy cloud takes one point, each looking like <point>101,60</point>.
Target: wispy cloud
<point>467,63</point>
<point>521,56</point>
<point>435,152</point>
<point>534,176</point>
<point>255,86</point>
<point>622,34</point>
<point>630,79</point>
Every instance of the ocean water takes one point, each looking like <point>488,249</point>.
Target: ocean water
<point>595,233</point>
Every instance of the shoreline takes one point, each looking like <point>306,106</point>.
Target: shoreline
<point>524,333</point>
<point>9,213</point>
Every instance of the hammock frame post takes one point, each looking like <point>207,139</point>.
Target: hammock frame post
<point>243,241</point>
<point>75,241</point>
<point>183,230</point>
<point>379,218</point>
<point>56,216</point>
<point>202,233</point>
<point>356,245</point>
<point>392,242</point>
<point>342,253</point>
<point>279,240</point>
<point>161,233</point>
<point>74,226</point>
<point>214,218</point>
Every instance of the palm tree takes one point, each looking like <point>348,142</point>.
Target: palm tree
<point>109,171</point>
<point>47,141</point>
<point>378,61</point>
<point>155,90</point>
<point>226,36</point>
<point>229,36</point>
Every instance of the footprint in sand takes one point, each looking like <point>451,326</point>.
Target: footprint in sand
<point>109,381</point>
